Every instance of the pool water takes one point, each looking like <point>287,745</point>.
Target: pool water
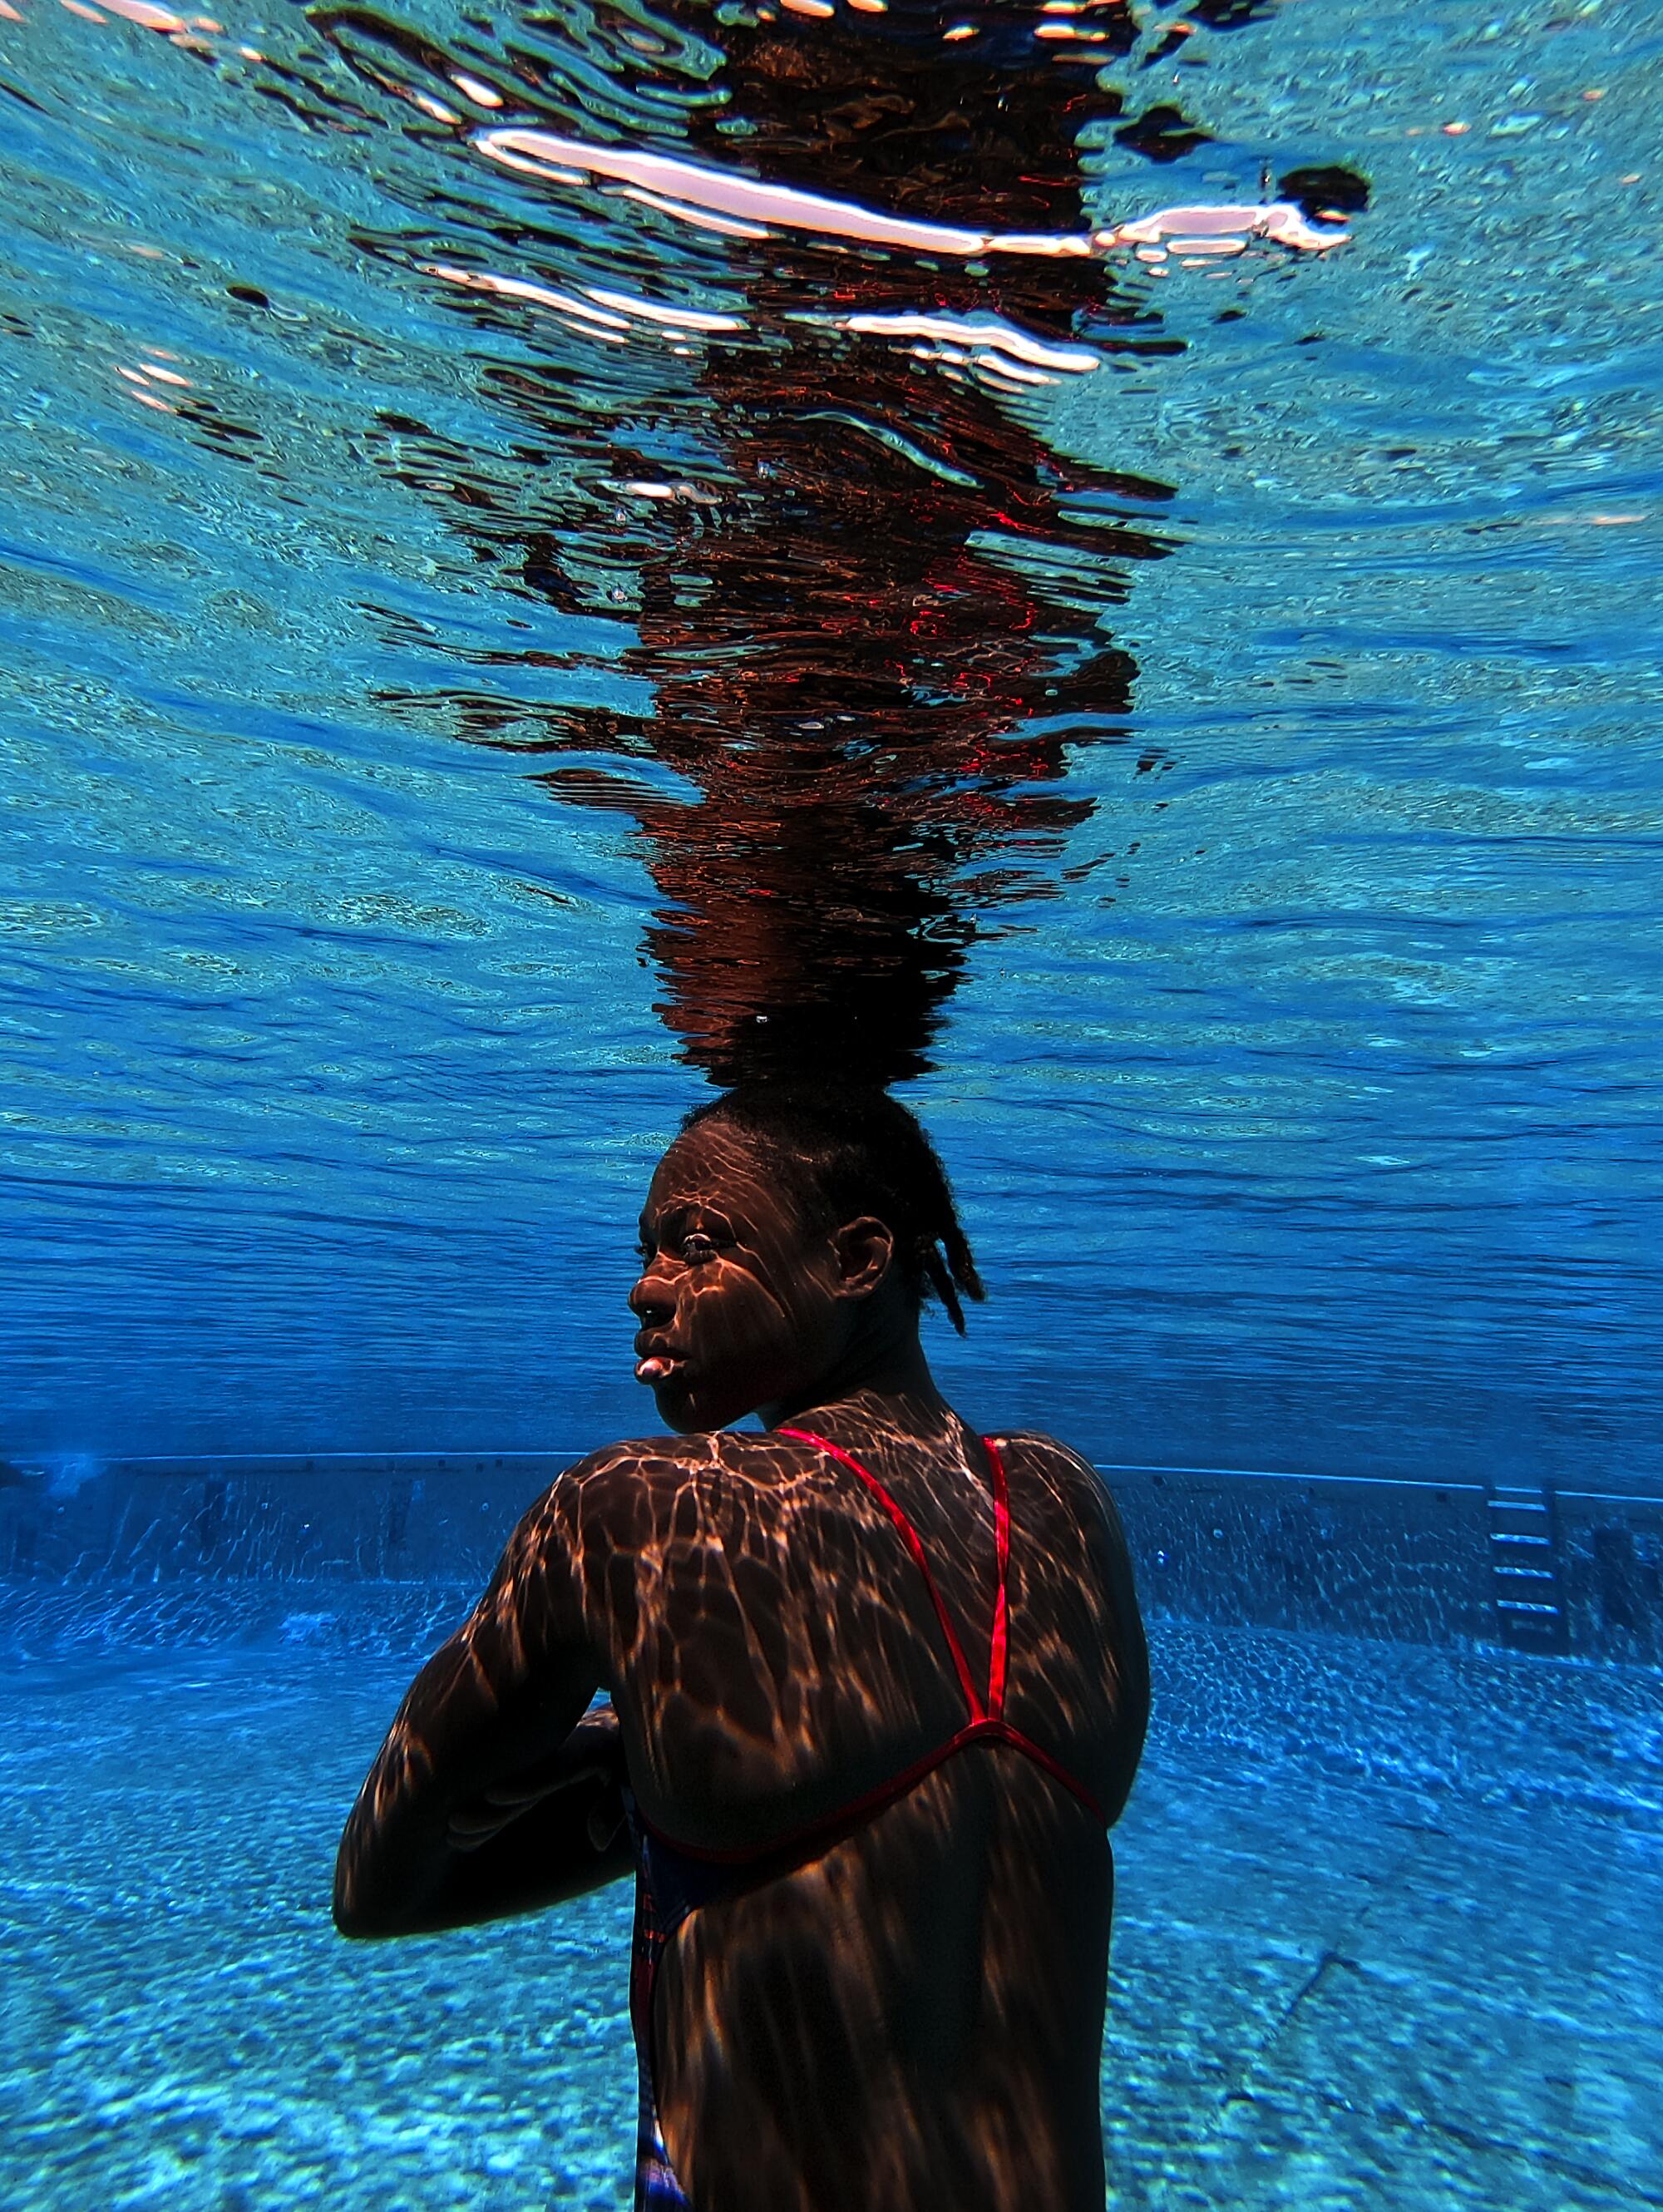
<point>1241,789</point>
<point>1094,563</point>
<point>1390,1931</point>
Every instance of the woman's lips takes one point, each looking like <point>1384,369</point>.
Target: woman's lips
<point>655,1367</point>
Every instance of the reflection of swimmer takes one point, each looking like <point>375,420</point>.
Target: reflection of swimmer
<point>878,1689</point>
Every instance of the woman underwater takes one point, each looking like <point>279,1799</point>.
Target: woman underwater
<point>877,1690</point>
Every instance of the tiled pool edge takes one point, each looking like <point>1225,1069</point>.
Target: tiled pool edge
<point>1569,1573</point>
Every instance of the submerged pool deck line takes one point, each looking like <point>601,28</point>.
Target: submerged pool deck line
<point>1389,1930</point>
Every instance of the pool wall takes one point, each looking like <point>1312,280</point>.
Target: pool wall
<point>377,1549</point>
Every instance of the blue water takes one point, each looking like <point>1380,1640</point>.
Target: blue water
<point>484,652</point>
<point>1295,1012</point>
<point>1368,1952</point>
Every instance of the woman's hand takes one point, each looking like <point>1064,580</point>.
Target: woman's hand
<point>593,1754</point>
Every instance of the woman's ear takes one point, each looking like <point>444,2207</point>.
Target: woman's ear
<point>863,1251</point>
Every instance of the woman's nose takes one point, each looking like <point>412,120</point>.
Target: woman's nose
<point>648,1302</point>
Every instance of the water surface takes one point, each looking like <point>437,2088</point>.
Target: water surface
<point>488,645</point>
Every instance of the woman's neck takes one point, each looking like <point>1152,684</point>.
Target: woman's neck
<point>883,1381</point>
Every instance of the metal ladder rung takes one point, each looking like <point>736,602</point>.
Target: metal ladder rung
<point>1527,1590</point>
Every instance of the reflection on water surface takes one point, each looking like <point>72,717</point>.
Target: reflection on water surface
<point>850,507</point>
<point>867,598</point>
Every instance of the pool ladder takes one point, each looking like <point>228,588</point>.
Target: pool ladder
<point>1524,1568</point>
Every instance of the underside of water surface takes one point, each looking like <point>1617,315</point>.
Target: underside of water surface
<point>1094,564</point>
<point>490,643</point>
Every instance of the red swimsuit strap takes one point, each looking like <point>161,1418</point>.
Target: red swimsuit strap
<point>987,1724</point>
<point>996,1653</point>
<point>831,1826</point>
<point>910,1537</point>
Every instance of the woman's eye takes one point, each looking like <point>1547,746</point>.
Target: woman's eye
<point>691,1250</point>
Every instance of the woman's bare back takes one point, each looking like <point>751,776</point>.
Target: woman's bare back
<point>912,2013</point>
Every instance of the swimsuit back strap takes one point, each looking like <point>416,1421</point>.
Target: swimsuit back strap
<point>826,1830</point>
<point>909,1536</point>
<point>985,1725</point>
<point>995,1662</point>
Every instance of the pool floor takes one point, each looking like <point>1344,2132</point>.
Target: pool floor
<point>1390,1933</point>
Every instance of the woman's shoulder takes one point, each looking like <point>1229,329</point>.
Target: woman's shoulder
<point>1085,1508</point>
<point>1030,1451</point>
<point>648,1472</point>
<point>1049,1465</point>
<point>735,1451</point>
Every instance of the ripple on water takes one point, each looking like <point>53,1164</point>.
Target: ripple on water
<point>541,545</point>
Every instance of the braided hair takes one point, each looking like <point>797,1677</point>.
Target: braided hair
<point>858,1151</point>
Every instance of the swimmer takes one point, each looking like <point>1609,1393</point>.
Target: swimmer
<point>875,1690</point>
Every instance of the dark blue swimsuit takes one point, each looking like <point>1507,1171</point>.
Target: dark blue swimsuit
<point>674,1880</point>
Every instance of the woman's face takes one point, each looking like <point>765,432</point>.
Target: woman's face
<point>741,1305</point>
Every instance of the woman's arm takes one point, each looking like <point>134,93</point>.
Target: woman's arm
<point>497,1703</point>
<point>538,1838</point>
